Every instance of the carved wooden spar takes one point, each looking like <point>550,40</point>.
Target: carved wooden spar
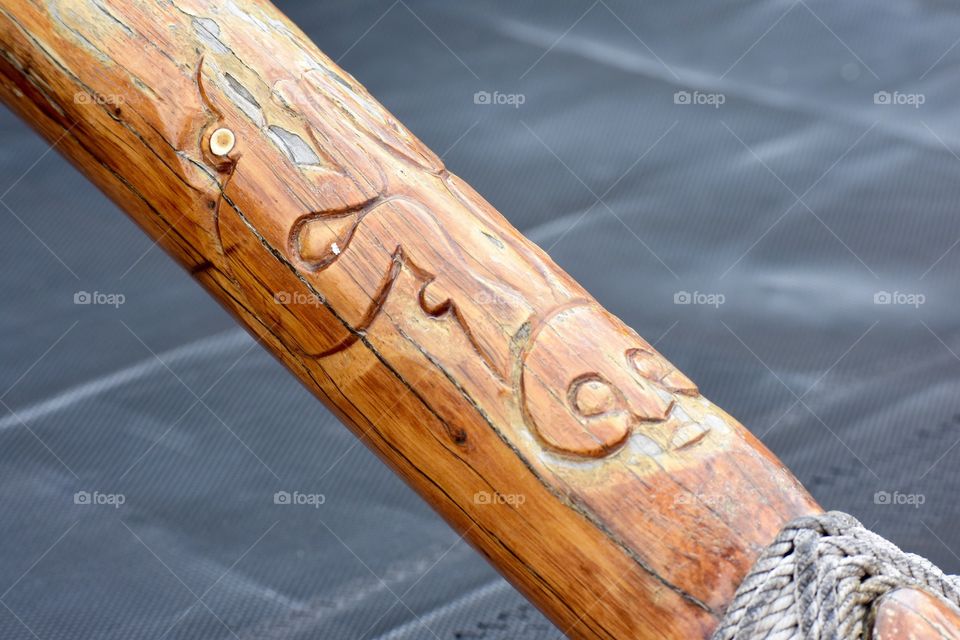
<point>916,615</point>
<point>454,347</point>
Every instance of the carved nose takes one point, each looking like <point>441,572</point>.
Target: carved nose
<point>654,367</point>
<point>646,401</point>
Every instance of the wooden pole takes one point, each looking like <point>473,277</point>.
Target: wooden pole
<point>570,453</point>
<point>915,615</point>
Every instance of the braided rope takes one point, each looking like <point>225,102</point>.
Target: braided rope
<point>819,579</point>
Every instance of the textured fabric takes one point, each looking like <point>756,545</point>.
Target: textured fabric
<point>701,199</point>
<point>820,579</point>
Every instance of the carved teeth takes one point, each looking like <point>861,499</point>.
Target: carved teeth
<point>222,142</point>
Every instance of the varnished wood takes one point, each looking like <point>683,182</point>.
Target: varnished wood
<point>454,347</point>
<point>912,614</point>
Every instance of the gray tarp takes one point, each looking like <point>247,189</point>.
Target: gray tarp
<point>797,199</point>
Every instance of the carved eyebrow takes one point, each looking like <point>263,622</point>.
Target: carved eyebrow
<point>209,32</point>
<point>244,100</point>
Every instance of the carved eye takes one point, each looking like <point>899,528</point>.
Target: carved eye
<point>222,142</point>
<point>319,241</point>
<point>592,397</point>
<point>597,421</point>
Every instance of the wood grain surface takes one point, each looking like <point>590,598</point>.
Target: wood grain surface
<point>912,614</point>
<point>569,452</point>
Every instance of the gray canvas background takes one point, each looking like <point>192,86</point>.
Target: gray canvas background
<point>797,199</point>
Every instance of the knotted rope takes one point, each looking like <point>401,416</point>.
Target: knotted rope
<point>819,579</point>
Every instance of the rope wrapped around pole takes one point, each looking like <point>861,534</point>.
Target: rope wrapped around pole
<point>820,579</point>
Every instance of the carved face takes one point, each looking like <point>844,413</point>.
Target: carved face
<point>305,180</point>
<point>588,381</point>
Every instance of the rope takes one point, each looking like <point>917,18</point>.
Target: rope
<point>819,579</point>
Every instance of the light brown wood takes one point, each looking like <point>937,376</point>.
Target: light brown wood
<point>569,452</point>
<point>912,614</point>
